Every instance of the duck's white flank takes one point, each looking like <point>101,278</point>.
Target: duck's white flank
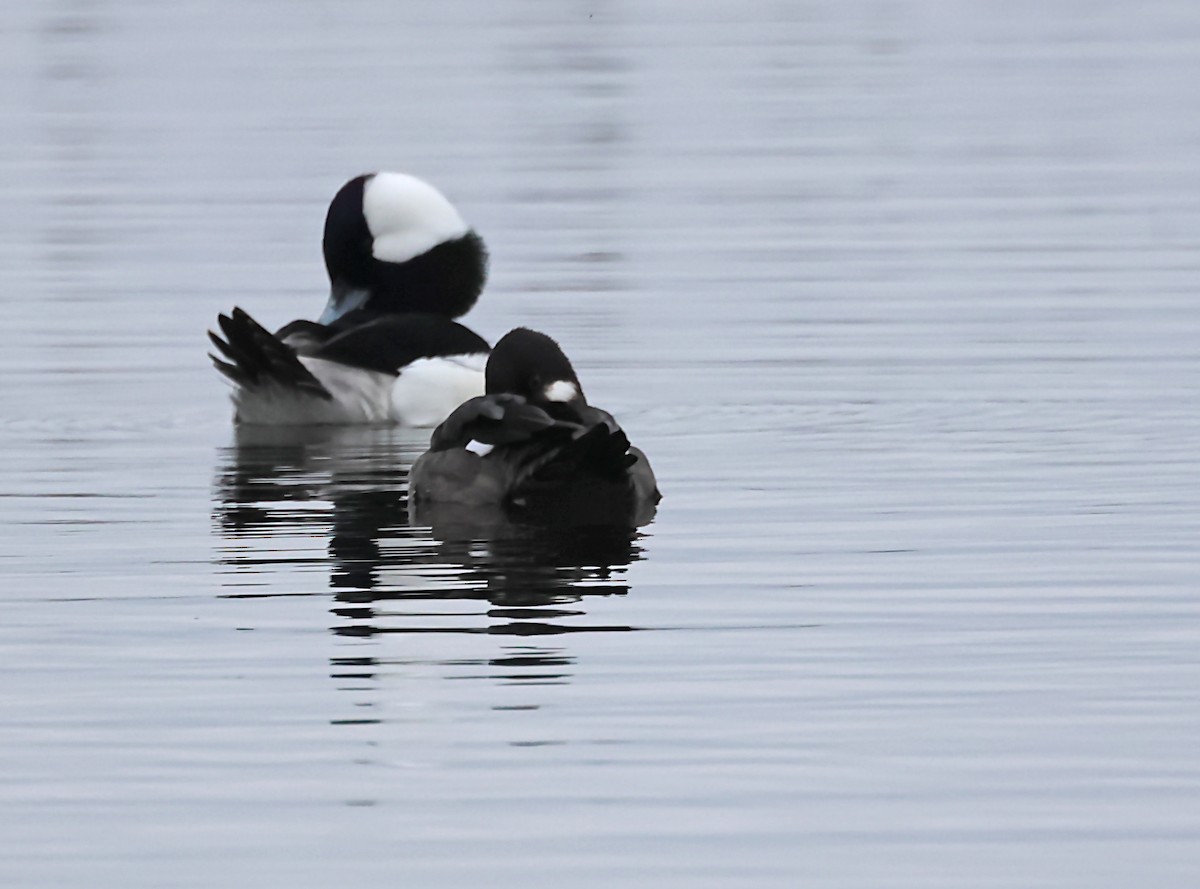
<point>360,397</point>
<point>430,388</point>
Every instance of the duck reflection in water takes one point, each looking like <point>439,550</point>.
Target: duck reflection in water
<point>282,496</point>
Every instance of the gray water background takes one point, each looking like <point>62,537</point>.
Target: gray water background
<point>900,298</point>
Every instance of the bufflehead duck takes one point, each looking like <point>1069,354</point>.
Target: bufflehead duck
<point>533,444</point>
<point>402,265</point>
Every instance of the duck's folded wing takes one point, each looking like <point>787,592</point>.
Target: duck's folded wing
<point>253,356</point>
<point>601,453</point>
<point>387,343</point>
<point>497,420</point>
<point>305,337</point>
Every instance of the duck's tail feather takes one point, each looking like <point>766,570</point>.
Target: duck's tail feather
<point>254,357</point>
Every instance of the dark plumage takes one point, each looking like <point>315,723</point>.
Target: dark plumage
<point>388,343</point>
<point>256,358</point>
<point>532,443</point>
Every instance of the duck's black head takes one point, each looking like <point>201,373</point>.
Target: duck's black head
<point>393,243</point>
<point>530,364</point>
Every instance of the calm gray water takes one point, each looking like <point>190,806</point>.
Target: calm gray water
<point>900,298</point>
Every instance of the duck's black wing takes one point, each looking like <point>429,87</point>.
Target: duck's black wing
<point>304,336</point>
<point>253,356</point>
<point>515,433</point>
<point>596,472</point>
<point>596,453</point>
<point>498,420</point>
<point>387,343</point>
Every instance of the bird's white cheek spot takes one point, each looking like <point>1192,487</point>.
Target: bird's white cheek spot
<point>478,447</point>
<point>561,390</point>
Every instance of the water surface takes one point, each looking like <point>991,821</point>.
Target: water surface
<point>900,299</point>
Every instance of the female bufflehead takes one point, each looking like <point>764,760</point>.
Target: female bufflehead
<point>402,265</point>
<point>534,444</point>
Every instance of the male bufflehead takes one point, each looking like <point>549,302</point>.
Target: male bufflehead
<point>533,444</point>
<point>402,265</point>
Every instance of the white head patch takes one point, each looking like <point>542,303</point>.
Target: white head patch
<point>407,216</point>
<point>561,390</point>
